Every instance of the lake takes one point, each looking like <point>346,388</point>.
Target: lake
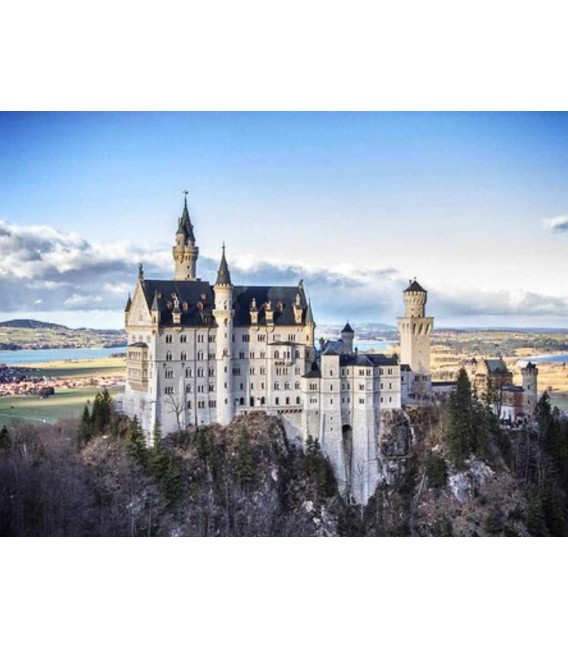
<point>31,356</point>
<point>546,358</point>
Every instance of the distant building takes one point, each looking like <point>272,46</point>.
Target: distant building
<point>492,377</point>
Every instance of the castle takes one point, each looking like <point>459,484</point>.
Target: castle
<point>201,353</point>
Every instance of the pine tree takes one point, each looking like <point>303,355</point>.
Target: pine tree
<point>460,433</point>
<point>157,459</point>
<point>5,442</point>
<point>135,444</point>
<point>85,427</point>
<point>245,461</point>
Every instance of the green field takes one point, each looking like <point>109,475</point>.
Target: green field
<point>560,400</point>
<point>65,404</point>
<point>81,369</point>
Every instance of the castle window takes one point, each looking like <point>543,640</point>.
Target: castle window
<point>390,386</point>
<point>246,338</point>
<point>297,385</point>
<point>242,386</point>
<point>200,388</point>
<point>252,387</point>
<point>298,400</point>
<point>188,388</point>
<point>361,372</point>
<point>169,356</point>
<point>199,356</point>
<point>211,371</point>
<point>361,400</point>
<point>200,371</point>
<point>168,338</point>
<point>252,354</point>
<point>381,386</point>
<point>241,354</point>
<point>297,371</point>
<point>212,339</point>
<point>276,354</point>
<point>211,388</point>
<point>236,371</point>
<point>212,404</point>
<point>169,389</point>
<point>183,356</point>
<point>189,405</point>
<point>262,354</point>
<point>183,338</point>
<point>368,372</point>
<point>169,374</point>
<point>262,401</point>
<point>287,401</point>
<point>263,370</point>
<point>188,373</point>
<point>331,372</point>
<point>211,356</point>
<point>291,337</point>
<point>262,386</point>
<point>286,386</point>
<point>361,386</point>
<point>261,338</point>
<point>277,386</point>
<point>225,385</point>
<point>201,404</point>
<point>200,338</point>
<point>389,371</point>
<point>277,401</point>
<point>252,370</point>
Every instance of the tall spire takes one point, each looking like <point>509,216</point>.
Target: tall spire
<point>185,226</point>
<point>309,314</point>
<point>223,274</point>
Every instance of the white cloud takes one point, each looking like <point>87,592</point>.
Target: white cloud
<point>556,223</point>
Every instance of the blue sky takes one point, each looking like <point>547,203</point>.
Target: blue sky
<point>474,204</point>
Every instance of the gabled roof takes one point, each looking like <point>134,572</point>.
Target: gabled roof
<point>367,360</point>
<point>128,304</point>
<point>496,365</point>
<point>347,329</point>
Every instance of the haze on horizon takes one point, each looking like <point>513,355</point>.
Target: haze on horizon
<point>473,204</point>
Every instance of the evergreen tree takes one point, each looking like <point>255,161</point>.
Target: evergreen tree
<point>5,442</point>
<point>157,458</point>
<point>460,433</point>
<point>135,444</point>
<point>85,427</point>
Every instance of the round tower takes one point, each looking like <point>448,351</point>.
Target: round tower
<point>223,314</point>
<point>185,252</point>
<point>415,330</point>
<point>415,298</point>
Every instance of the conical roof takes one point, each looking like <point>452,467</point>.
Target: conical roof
<point>128,303</point>
<point>414,287</point>
<point>347,329</point>
<point>309,314</point>
<point>185,226</point>
<point>223,274</point>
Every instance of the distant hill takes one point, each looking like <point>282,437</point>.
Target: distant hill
<point>33,324</point>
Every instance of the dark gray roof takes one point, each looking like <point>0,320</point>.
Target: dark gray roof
<point>512,388</point>
<point>329,351</point>
<point>347,329</point>
<point>185,226</point>
<point>140,344</point>
<point>281,298</point>
<point>496,365</point>
<point>159,293</point>
<point>414,287</point>
<point>128,303</point>
<point>309,314</point>
<point>223,274</point>
<point>367,360</point>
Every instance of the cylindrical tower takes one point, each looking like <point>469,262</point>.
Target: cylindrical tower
<point>530,381</point>
<point>223,313</point>
<point>185,252</point>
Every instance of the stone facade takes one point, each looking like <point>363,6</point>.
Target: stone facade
<point>201,353</point>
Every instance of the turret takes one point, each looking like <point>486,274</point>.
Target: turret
<point>223,314</point>
<point>415,298</point>
<point>530,381</point>
<point>185,252</point>
<point>347,336</point>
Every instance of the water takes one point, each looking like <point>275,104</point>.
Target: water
<point>31,356</point>
<point>376,345</point>
<point>546,358</point>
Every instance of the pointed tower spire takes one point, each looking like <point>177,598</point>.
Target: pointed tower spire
<point>128,304</point>
<point>309,314</point>
<point>185,252</point>
<point>223,274</point>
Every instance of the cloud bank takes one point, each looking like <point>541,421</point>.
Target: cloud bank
<point>556,224</point>
<point>44,270</point>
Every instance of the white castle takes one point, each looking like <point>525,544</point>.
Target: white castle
<point>201,353</point>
